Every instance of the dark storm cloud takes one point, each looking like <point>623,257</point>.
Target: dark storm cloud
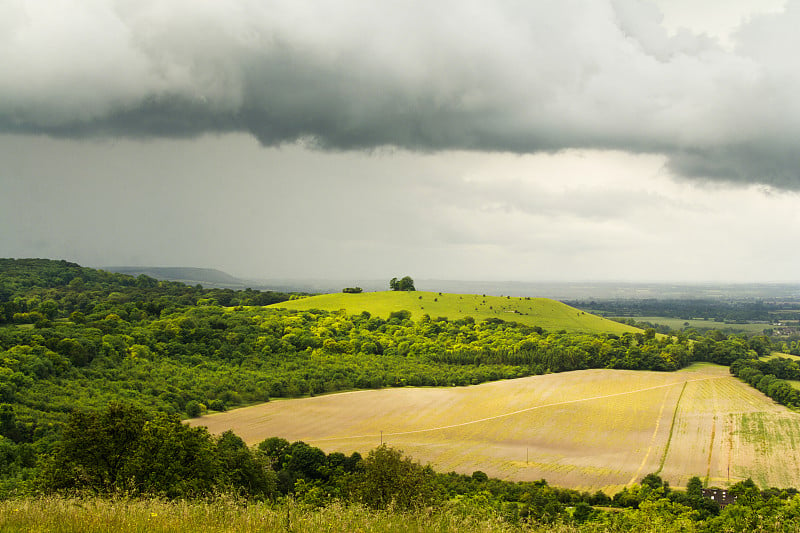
<point>500,76</point>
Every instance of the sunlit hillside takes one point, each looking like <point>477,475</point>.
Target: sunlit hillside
<point>548,314</point>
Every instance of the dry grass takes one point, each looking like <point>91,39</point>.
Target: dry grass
<point>727,431</point>
<point>590,429</point>
<point>58,515</point>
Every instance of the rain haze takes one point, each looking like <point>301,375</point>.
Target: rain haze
<point>534,141</point>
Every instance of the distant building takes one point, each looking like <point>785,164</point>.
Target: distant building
<point>722,496</point>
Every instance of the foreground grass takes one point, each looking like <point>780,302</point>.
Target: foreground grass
<point>97,515</point>
<point>67,515</point>
<point>227,515</point>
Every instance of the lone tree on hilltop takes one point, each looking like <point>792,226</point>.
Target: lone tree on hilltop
<point>352,290</point>
<point>405,284</point>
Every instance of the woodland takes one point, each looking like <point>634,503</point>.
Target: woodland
<point>98,370</point>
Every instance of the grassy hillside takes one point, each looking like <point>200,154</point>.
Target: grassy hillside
<point>545,313</point>
<point>589,429</point>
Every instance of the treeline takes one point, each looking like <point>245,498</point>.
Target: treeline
<point>123,450</point>
<point>770,378</point>
<point>38,291</point>
<point>184,361</point>
<point>686,309</point>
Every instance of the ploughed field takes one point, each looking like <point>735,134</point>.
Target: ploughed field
<point>588,429</point>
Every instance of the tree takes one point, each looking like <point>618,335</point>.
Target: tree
<point>95,447</point>
<point>407,284</point>
<point>173,459</point>
<point>694,487</point>
<point>242,470</point>
<point>404,284</point>
<point>352,290</point>
<point>123,448</point>
<point>389,479</point>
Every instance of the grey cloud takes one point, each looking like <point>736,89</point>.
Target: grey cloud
<point>777,164</point>
<point>543,76</point>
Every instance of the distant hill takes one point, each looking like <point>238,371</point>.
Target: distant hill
<point>547,314</point>
<point>208,277</point>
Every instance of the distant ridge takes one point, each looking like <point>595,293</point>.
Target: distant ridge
<point>208,277</point>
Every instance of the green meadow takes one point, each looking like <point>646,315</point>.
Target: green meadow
<point>700,324</point>
<point>550,315</point>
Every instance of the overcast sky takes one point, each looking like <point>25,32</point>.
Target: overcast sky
<point>545,140</point>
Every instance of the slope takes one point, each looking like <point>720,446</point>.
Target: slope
<point>587,429</point>
<point>548,314</point>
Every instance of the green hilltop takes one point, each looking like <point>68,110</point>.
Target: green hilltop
<point>550,315</point>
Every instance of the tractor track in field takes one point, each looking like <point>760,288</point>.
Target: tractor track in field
<point>512,413</point>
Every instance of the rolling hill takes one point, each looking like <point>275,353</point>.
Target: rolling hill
<point>587,429</point>
<point>548,314</point>
<point>208,277</point>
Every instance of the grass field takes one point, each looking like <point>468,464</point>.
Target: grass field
<point>225,515</point>
<point>95,515</point>
<point>548,314</point>
<point>773,355</point>
<point>589,429</point>
<point>680,323</point>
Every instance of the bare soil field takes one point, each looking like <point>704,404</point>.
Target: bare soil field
<point>588,429</point>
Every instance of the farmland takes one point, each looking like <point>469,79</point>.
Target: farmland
<point>545,313</point>
<point>590,429</point>
<point>699,324</point>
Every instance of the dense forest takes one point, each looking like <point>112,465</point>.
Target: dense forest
<point>98,369</point>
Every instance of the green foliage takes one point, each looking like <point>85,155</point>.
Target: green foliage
<point>36,291</point>
<point>123,449</point>
<point>769,377</point>
<point>389,480</point>
<point>352,290</point>
<point>242,470</point>
<point>534,312</point>
<point>145,342</point>
<point>686,309</point>
<point>385,480</point>
<point>403,284</point>
<point>193,409</point>
<point>97,388</point>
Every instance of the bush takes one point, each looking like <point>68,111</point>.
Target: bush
<point>193,409</point>
<point>390,480</point>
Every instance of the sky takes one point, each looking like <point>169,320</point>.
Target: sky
<point>550,140</point>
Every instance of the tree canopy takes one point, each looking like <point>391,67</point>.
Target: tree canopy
<point>403,284</point>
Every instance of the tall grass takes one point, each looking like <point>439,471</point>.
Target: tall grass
<point>228,515</point>
<point>95,515</point>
